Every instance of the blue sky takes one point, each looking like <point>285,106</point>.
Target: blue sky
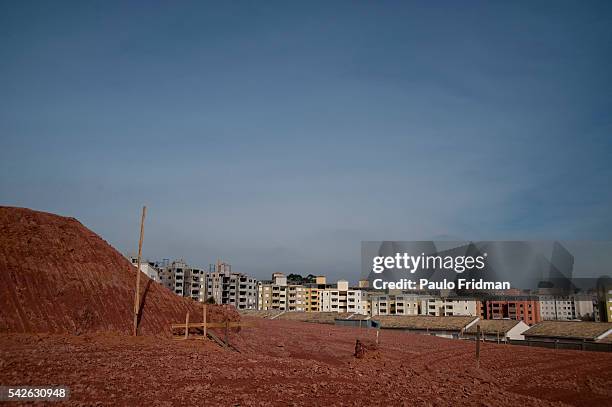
<point>278,135</point>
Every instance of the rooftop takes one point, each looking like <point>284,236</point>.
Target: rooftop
<point>569,329</point>
<point>424,322</point>
<point>319,317</point>
<point>493,326</point>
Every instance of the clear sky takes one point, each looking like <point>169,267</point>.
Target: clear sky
<point>278,135</point>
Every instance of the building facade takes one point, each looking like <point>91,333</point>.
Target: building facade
<point>395,304</point>
<point>526,309</point>
<point>449,307</point>
<point>149,268</point>
<point>272,294</point>
<point>557,308</point>
<point>296,298</point>
<point>586,308</point>
<point>227,287</point>
<point>342,299</point>
<point>182,279</point>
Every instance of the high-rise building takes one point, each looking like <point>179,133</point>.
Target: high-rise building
<point>227,287</point>
<point>221,284</point>
<point>183,279</point>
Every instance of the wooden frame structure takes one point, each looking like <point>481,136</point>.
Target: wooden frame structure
<point>203,332</point>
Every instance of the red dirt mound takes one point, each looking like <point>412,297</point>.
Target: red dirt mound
<point>58,276</point>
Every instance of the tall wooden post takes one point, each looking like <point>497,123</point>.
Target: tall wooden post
<point>137,293</point>
<point>204,320</point>
<point>227,332</point>
<point>477,346</point>
<point>187,325</point>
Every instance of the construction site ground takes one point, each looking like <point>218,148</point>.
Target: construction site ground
<point>295,363</point>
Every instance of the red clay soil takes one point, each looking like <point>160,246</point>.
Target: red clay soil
<point>284,363</point>
<point>58,276</point>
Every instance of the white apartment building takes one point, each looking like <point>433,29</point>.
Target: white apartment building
<point>415,304</point>
<point>342,299</point>
<point>407,304</point>
<point>150,271</point>
<point>357,302</point>
<point>585,306</point>
<point>448,307</point>
<point>146,267</point>
<point>395,304</point>
<point>557,308</point>
<point>334,299</point>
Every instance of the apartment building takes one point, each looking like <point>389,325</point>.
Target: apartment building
<point>526,309</point>
<point>557,308</point>
<point>278,294</point>
<point>147,267</point>
<point>227,287</point>
<point>272,295</point>
<point>224,286</point>
<point>585,306</point>
<point>296,297</point>
<point>311,299</point>
<point>341,298</point>
<point>312,293</point>
<point>365,303</point>
<point>604,296</point>
<point>394,304</point>
<point>418,304</point>
<point>333,299</point>
<point>355,302</point>
<point>182,279</point>
<point>448,307</point>
<point>380,304</point>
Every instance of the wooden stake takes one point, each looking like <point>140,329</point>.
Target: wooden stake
<point>187,325</point>
<point>137,293</point>
<point>477,346</point>
<point>204,320</point>
<point>377,331</point>
<point>227,332</point>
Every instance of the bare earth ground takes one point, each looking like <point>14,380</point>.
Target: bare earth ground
<point>296,363</point>
<point>58,276</point>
